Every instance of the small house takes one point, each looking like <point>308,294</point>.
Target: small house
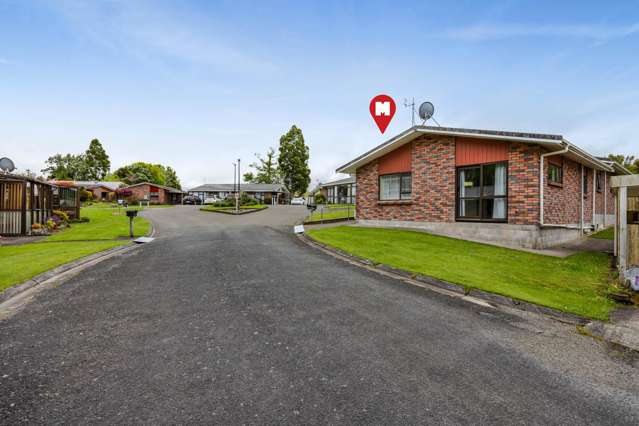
<point>23,202</point>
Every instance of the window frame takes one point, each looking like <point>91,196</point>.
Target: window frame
<point>401,191</point>
<point>481,197</point>
<point>560,167</point>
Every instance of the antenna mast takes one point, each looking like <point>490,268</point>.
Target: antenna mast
<point>412,107</point>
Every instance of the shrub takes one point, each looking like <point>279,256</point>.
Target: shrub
<point>245,200</point>
<point>86,195</point>
<point>36,226</point>
<point>320,198</point>
<point>51,224</point>
<point>62,215</point>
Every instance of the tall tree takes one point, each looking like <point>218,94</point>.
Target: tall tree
<point>265,171</point>
<point>171,178</point>
<point>97,161</point>
<point>94,164</point>
<point>293,161</point>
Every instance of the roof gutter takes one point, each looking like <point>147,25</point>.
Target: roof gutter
<point>541,178</point>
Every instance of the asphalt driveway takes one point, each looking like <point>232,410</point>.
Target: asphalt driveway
<point>232,320</point>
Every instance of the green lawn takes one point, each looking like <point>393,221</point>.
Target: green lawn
<point>19,263</point>
<point>606,234</point>
<point>574,284</point>
<point>332,211</point>
<point>104,224</point>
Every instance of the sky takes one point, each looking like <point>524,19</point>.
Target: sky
<point>199,84</point>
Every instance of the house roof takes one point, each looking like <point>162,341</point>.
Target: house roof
<point>168,188</point>
<point>345,181</point>
<point>95,183</point>
<point>248,187</point>
<point>551,142</point>
<point>89,184</point>
<point>15,178</point>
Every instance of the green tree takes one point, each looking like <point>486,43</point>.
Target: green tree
<point>94,164</point>
<point>266,169</point>
<point>171,178</point>
<point>293,161</point>
<point>628,161</point>
<point>97,161</point>
<point>140,171</point>
<point>65,167</point>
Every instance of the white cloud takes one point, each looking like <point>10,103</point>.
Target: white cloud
<point>482,32</point>
<point>145,29</point>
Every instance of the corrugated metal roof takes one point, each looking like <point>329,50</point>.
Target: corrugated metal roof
<point>345,181</point>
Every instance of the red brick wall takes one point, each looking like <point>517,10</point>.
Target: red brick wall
<point>139,192</point>
<point>523,184</point>
<point>433,185</point>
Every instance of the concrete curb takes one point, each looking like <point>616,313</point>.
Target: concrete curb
<point>17,289</point>
<point>232,213</point>
<point>454,290</point>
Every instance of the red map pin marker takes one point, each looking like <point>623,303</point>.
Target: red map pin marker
<point>382,109</point>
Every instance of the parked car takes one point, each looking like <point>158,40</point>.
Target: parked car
<point>211,200</point>
<point>192,200</point>
<point>298,201</point>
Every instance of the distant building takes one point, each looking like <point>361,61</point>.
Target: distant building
<point>153,193</point>
<point>267,193</point>
<point>342,191</point>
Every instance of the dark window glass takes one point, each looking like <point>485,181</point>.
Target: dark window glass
<point>555,173</point>
<point>481,192</point>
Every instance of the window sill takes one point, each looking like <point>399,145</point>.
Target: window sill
<point>393,202</point>
<point>557,184</point>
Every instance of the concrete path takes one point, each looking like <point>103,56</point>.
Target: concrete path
<point>231,320</point>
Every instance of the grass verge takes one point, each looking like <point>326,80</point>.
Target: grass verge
<point>576,284</point>
<point>333,212</point>
<point>606,234</point>
<point>106,226</point>
<point>19,263</point>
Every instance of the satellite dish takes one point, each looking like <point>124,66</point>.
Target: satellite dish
<point>6,165</point>
<point>426,110</point>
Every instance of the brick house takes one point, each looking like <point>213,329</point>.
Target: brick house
<point>342,191</point>
<point>484,185</point>
<point>154,194</point>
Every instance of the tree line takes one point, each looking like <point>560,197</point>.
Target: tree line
<point>94,165</point>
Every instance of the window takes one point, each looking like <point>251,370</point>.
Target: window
<point>482,192</point>
<point>395,187</point>
<point>555,173</point>
<point>599,182</point>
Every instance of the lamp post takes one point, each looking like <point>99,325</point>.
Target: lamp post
<point>234,178</point>
<point>237,196</point>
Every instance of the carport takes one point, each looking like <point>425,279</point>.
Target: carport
<point>627,226</point>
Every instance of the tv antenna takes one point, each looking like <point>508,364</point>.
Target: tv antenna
<point>426,111</point>
<point>412,107</point>
<point>6,165</point>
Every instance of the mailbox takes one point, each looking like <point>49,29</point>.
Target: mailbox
<point>311,207</point>
<point>131,213</point>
